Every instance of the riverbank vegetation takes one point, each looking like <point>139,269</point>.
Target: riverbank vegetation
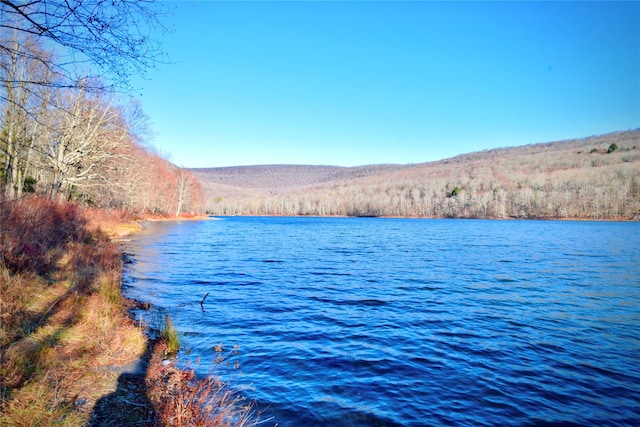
<point>62,317</point>
<point>66,331</point>
<point>588,178</point>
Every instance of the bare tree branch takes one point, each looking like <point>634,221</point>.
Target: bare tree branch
<point>116,36</point>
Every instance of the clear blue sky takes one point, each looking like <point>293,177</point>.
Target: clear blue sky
<point>354,83</point>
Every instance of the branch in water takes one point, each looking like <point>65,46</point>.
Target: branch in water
<point>202,302</point>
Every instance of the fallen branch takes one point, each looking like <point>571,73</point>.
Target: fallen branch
<point>202,302</point>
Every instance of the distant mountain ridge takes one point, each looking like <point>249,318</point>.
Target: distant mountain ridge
<point>286,177</point>
<point>593,177</point>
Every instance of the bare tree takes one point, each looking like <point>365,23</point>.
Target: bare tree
<point>187,189</point>
<point>87,133</point>
<point>114,36</point>
<point>109,38</point>
<point>23,105</point>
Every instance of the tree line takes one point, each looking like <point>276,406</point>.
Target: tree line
<point>592,178</point>
<point>68,130</point>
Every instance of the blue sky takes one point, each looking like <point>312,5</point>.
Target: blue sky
<point>354,83</point>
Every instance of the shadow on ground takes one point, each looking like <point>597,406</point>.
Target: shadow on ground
<point>128,405</point>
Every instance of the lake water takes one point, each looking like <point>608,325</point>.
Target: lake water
<point>412,322</point>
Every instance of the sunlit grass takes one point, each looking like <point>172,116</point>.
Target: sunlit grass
<point>169,334</point>
<point>40,403</point>
<point>63,322</point>
<point>61,314</point>
<point>109,289</point>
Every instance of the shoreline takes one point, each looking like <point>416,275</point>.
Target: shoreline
<point>71,351</point>
<point>576,219</point>
<point>163,388</point>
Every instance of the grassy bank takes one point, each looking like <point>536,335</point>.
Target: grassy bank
<point>66,331</point>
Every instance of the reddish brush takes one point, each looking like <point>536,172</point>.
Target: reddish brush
<point>182,400</point>
<point>35,230</point>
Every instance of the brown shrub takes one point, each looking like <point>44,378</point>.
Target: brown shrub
<point>33,232</point>
<point>181,399</point>
<point>88,261</point>
<point>49,263</point>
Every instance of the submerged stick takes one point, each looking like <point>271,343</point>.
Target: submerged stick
<point>202,302</point>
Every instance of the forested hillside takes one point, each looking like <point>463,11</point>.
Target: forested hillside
<point>596,177</point>
<point>278,178</point>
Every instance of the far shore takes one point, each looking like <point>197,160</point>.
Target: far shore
<point>493,218</point>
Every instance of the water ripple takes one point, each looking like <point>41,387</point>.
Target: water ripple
<point>384,322</point>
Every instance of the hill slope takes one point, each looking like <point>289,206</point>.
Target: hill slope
<point>286,177</point>
<point>595,177</point>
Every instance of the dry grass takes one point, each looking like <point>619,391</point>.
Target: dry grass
<point>114,224</point>
<point>63,323</point>
<point>183,400</point>
<point>62,314</point>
